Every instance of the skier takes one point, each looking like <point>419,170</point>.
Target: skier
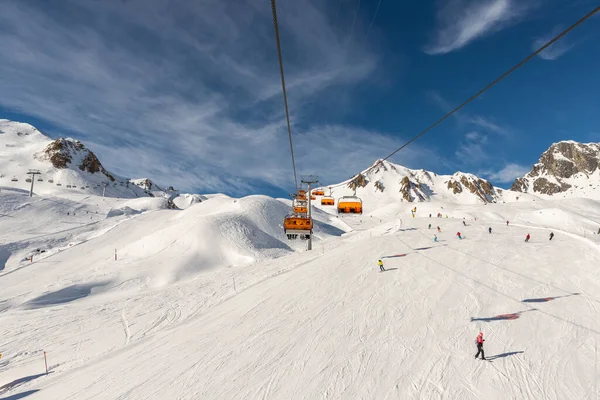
<point>506,223</point>
<point>458,235</point>
<point>435,238</point>
<point>551,235</point>
<point>429,226</point>
<point>439,230</point>
<point>464,223</point>
<point>429,215</point>
<point>527,238</point>
<point>380,263</point>
<point>479,342</point>
<point>490,229</point>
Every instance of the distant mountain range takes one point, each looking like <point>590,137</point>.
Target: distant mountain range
<point>566,169</point>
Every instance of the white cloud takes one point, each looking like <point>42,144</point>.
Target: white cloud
<point>460,22</point>
<point>186,93</point>
<point>507,174</point>
<point>488,124</point>
<point>554,51</point>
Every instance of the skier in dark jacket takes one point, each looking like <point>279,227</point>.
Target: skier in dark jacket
<point>464,223</point>
<point>490,229</point>
<point>551,235</point>
<point>479,342</point>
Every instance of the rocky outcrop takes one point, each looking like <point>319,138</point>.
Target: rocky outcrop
<point>63,153</point>
<point>379,186</point>
<point>358,181</point>
<point>559,164</point>
<point>477,186</point>
<point>412,191</point>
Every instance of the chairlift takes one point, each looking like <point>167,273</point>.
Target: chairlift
<point>59,184</point>
<point>50,180</point>
<point>14,179</point>
<point>300,206</point>
<point>349,205</point>
<point>82,188</point>
<point>28,180</point>
<point>301,194</point>
<point>318,192</point>
<point>40,180</point>
<point>327,201</point>
<point>297,226</point>
<point>69,186</point>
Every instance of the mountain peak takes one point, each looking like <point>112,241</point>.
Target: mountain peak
<point>565,165</point>
<point>66,152</point>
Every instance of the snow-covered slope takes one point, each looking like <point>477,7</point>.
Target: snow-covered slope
<point>211,302</point>
<point>566,169</point>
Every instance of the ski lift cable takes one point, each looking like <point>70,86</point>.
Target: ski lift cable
<point>501,77</point>
<point>285,102</point>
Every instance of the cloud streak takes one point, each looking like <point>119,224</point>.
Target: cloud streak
<point>556,50</point>
<point>506,174</point>
<point>186,93</point>
<point>460,22</point>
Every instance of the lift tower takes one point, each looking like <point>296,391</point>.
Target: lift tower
<point>309,180</point>
<point>33,173</point>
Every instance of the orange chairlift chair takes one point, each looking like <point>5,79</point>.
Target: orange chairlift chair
<point>297,226</point>
<point>318,192</point>
<point>300,206</point>
<point>349,205</point>
<point>327,201</point>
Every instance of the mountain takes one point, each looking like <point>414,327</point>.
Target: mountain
<point>67,165</point>
<point>568,168</point>
<point>385,183</point>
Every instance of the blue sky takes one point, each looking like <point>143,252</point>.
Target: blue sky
<point>188,92</point>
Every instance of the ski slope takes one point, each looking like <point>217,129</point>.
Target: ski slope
<point>213,302</point>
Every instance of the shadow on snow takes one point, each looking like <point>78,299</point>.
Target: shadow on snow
<point>512,353</point>
<point>18,382</point>
<point>501,317</point>
<point>547,299</point>
<point>65,295</point>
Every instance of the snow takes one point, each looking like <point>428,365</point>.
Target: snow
<point>212,301</point>
<point>133,298</point>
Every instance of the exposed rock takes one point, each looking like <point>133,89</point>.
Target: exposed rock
<point>379,186</point>
<point>479,187</point>
<point>62,153</point>
<point>412,191</point>
<point>562,161</point>
<point>358,181</point>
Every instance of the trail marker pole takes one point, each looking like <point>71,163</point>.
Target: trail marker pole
<point>46,362</point>
<point>234,288</point>
<point>115,254</point>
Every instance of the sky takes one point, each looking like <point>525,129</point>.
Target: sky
<point>188,92</point>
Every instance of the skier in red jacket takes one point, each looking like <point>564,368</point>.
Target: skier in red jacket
<point>527,238</point>
<point>479,342</point>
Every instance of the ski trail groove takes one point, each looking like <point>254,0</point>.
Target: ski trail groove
<point>125,325</point>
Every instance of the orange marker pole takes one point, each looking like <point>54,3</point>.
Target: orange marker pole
<point>46,363</point>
